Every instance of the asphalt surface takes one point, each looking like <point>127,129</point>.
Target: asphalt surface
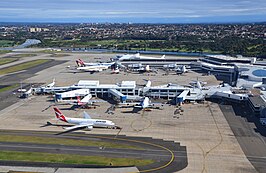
<point>249,133</point>
<point>169,156</point>
<point>10,97</point>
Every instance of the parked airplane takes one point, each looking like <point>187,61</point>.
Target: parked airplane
<point>198,84</point>
<point>83,123</point>
<point>170,66</point>
<point>115,71</point>
<point>137,57</point>
<point>181,70</point>
<point>143,69</point>
<point>86,102</point>
<point>92,69</point>
<point>81,63</point>
<point>50,85</point>
<point>144,104</point>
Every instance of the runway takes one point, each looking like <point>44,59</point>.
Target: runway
<point>7,98</point>
<point>168,156</point>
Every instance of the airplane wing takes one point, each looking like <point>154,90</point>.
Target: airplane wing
<point>96,101</point>
<point>86,98</point>
<point>156,106</point>
<point>128,105</point>
<point>86,115</point>
<point>76,127</point>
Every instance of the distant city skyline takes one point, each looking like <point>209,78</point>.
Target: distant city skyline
<point>135,11</point>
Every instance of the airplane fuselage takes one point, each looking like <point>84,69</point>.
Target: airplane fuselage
<point>139,57</point>
<point>94,122</point>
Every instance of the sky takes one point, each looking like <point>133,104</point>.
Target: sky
<point>135,11</point>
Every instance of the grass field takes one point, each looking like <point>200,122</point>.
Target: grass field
<point>22,66</point>
<point>6,43</point>
<point>47,140</point>
<point>4,51</point>
<point>9,88</point>
<point>59,55</point>
<point>71,159</point>
<point>7,60</point>
<point>22,55</point>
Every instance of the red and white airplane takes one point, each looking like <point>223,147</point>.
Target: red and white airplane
<point>81,63</point>
<point>92,67</point>
<point>83,123</point>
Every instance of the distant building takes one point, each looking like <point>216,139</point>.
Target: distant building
<point>38,29</point>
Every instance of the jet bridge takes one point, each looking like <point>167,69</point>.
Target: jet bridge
<point>118,95</point>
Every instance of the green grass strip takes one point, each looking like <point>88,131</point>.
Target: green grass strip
<point>5,51</point>
<point>71,142</point>
<point>6,43</point>
<point>22,55</point>
<point>22,66</point>
<point>71,159</point>
<point>8,88</point>
<point>7,60</point>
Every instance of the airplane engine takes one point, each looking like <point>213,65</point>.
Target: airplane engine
<point>89,128</point>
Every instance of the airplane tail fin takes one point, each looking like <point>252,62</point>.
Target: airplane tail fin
<point>81,62</point>
<point>137,55</point>
<point>78,100</point>
<point>148,84</point>
<point>59,115</point>
<point>86,115</point>
<point>163,57</point>
<point>147,68</point>
<point>184,69</point>
<point>199,85</point>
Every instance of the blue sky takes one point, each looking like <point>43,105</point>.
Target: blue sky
<point>136,11</point>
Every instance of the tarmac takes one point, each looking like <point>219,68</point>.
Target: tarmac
<point>202,128</point>
<point>249,133</point>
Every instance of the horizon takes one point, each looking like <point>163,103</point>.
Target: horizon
<point>130,23</point>
<point>133,11</point>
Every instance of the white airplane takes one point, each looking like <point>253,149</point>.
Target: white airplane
<point>92,69</point>
<point>198,84</point>
<point>50,85</point>
<point>86,101</point>
<point>144,104</point>
<point>83,123</point>
<point>138,57</point>
<point>83,103</point>
<point>81,63</point>
<point>80,102</point>
<point>170,66</point>
<point>143,69</point>
<point>148,84</point>
<point>115,71</point>
<point>181,70</point>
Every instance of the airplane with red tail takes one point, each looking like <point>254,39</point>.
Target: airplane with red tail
<point>83,123</point>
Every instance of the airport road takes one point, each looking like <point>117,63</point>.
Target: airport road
<point>248,135</point>
<point>168,156</point>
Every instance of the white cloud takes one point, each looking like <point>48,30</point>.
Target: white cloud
<point>128,8</point>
